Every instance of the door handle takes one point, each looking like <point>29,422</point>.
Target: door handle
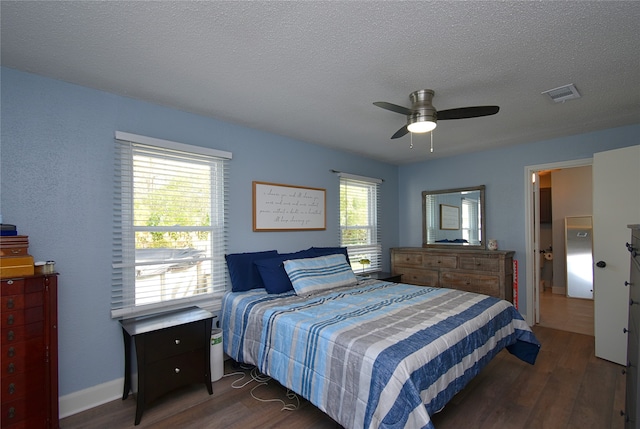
<point>601,264</point>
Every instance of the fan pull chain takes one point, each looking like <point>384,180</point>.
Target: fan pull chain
<point>431,140</point>
<point>411,137</point>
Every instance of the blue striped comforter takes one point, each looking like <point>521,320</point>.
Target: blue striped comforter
<point>378,355</point>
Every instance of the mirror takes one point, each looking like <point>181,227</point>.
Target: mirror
<point>453,217</point>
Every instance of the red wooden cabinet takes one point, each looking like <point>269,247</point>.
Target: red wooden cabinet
<point>29,374</point>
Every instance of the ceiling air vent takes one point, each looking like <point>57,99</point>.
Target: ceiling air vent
<point>563,93</point>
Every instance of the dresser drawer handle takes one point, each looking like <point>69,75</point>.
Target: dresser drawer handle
<point>625,330</point>
<point>12,412</point>
<point>12,368</point>
<point>12,388</point>
<point>10,319</point>
<point>177,341</point>
<point>10,303</point>
<point>177,370</point>
<point>11,336</point>
<point>11,352</point>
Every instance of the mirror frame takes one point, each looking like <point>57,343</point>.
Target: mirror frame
<point>483,227</point>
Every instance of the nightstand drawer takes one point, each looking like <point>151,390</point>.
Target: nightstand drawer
<point>167,374</point>
<point>173,341</point>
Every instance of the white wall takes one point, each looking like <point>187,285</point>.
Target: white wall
<point>571,193</point>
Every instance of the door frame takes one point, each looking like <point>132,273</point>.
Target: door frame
<point>532,216</point>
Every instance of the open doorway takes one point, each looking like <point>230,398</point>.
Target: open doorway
<point>568,185</point>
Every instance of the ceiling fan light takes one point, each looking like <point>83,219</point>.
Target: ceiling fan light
<point>421,126</point>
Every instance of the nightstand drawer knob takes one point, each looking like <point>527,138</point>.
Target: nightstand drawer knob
<point>177,342</point>
<point>11,352</point>
<point>11,335</point>
<point>177,370</point>
<point>12,368</point>
<point>12,388</point>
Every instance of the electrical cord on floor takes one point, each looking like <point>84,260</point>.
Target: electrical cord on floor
<point>262,380</point>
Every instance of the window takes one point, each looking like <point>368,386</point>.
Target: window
<point>170,225</point>
<point>359,228</point>
<point>471,221</point>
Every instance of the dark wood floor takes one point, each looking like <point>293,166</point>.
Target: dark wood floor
<point>568,387</point>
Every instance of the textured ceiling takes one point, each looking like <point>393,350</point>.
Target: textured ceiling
<point>311,70</point>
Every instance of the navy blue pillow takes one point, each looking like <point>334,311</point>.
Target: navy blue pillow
<point>274,277</point>
<point>326,251</point>
<point>244,274</point>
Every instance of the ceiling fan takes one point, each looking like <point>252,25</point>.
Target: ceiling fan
<point>422,116</point>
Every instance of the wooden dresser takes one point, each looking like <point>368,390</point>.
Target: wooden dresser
<point>489,272</point>
<point>632,401</point>
<point>29,352</point>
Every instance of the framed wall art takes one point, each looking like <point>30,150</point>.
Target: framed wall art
<point>278,207</point>
<point>449,217</point>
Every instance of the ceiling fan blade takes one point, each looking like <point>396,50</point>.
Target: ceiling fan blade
<point>467,112</point>
<point>393,107</point>
<point>401,132</point>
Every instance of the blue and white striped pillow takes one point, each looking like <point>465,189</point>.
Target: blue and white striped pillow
<point>313,275</point>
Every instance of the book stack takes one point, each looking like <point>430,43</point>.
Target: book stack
<point>7,229</point>
<point>15,260</point>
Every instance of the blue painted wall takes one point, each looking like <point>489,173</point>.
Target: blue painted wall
<point>56,184</point>
<point>56,177</point>
<point>502,172</point>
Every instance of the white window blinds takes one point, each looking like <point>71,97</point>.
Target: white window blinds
<point>359,226</point>
<point>170,225</point>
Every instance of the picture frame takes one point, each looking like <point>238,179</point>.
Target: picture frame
<point>281,207</point>
<point>449,217</point>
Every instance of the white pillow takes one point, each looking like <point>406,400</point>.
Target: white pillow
<point>313,275</point>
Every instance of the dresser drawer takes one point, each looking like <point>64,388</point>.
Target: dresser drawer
<point>478,263</point>
<point>22,332</point>
<point>419,277</point>
<point>19,385</point>
<point>25,412</point>
<point>173,341</point>
<point>408,259</point>
<point>12,287</point>
<point>478,283</point>
<point>438,261</point>
<point>21,317</point>
<point>21,357</point>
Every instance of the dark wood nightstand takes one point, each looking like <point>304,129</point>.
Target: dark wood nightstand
<point>172,350</point>
<point>388,277</point>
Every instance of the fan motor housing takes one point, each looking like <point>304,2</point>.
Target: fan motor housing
<point>421,107</point>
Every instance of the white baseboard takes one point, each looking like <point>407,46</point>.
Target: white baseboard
<point>83,400</point>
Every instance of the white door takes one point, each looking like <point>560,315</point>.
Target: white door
<point>616,204</point>
<point>536,242</point>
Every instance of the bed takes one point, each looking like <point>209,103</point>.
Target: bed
<point>370,353</point>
